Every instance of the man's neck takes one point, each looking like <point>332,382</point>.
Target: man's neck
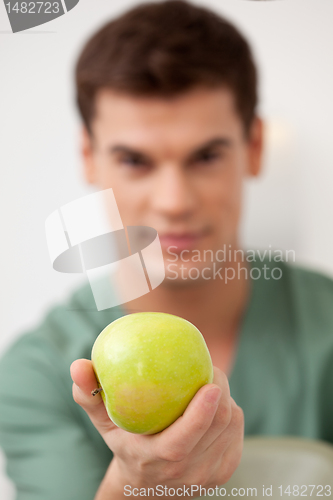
<point>213,306</point>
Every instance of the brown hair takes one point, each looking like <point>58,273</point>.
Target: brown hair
<point>163,49</point>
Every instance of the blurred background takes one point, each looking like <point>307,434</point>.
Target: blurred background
<point>289,207</point>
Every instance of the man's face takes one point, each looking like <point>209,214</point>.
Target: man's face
<point>177,165</point>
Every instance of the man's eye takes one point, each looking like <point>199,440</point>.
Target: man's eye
<point>133,161</point>
<point>208,157</point>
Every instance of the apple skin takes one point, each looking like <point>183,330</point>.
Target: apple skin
<point>150,365</point>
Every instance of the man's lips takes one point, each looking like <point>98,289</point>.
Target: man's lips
<point>184,241</point>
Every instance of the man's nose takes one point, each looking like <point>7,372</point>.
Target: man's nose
<point>173,193</point>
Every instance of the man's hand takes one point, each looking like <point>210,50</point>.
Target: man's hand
<point>202,447</point>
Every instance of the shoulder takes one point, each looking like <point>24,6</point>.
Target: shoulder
<point>302,302</point>
<point>63,327</point>
<point>67,331</point>
<point>311,295</point>
<point>302,286</point>
<point>293,295</point>
<point>311,281</point>
<point>40,358</point>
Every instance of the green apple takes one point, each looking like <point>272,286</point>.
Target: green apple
<point>149,366</point>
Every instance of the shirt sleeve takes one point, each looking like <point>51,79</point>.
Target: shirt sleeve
<point>53,451</point>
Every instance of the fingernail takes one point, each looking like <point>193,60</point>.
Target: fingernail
<point>213,395</point>
<point>80,390</point>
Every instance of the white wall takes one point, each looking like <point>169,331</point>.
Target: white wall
<point>290,207</point>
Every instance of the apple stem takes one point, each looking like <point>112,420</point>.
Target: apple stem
<point>96,391</point>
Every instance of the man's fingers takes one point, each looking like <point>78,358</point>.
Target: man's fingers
<point>178,440</point>
<point>223,456</point>
<point>221,380</point>
<point>232,446</point>
<point>85,382</point>
<point>83,376</point>
<point>223,414</point>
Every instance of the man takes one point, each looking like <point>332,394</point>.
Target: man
<point>167,94</point>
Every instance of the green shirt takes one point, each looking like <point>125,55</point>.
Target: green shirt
<point>282,378</point>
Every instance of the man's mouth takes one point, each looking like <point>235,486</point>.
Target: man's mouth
<point>181,241</point>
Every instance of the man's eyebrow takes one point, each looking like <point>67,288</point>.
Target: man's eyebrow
<point>121,148</point>
<point>212,143</point>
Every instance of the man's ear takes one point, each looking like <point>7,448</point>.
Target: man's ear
<point>87,156</point>
<point>255,147</point>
